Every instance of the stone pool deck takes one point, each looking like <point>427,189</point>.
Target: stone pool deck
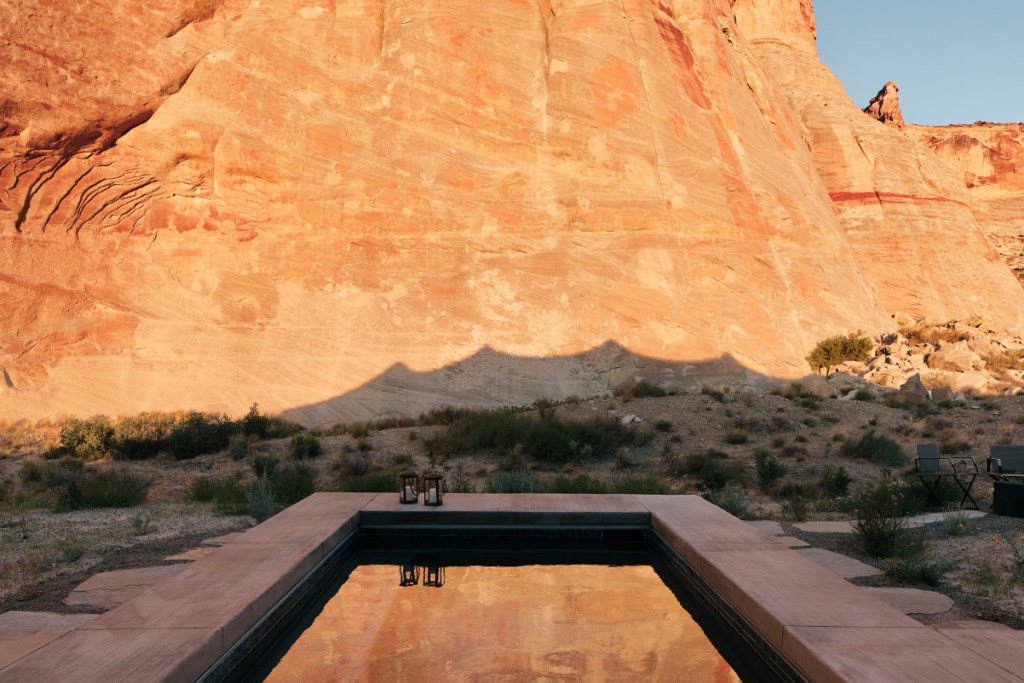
<point>825,627</point>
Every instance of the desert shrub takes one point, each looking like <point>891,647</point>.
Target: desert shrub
<point>917,569</point>
<point>240,446</point>
<point>292,482</point>
<point>768,469</point>
<point>64,478</point>
<point>259,496</point>
<point>713,391</point>
<point>226,493</point>
<point>370,482</point>
<point>261,426</point>
<point>549,439</point>
<point>112,487</point>
<point>141,436</point>
<point>835,350</point>
<point>90,439</point>
<point>641,389</point>
<point>263,465</point>
<point>511,482</point>
<point>879,507</point>
<point>143,523</point>
<point>954,519</point>
<point>305,446</point>
<point>835,481</point>
<point>663,425</point>
<point>878,449</point>
<point>197,434</point>
<point>1012,359</point>
<point>712,469</point>
<point>731,498</point>
<point>736,435</point>
<point>950,442</point>
<point>581,483</point>
<point>641,484</point>
<point>923,333</point>
<point>864,395</point>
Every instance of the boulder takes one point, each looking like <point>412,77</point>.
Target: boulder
<point>955,358</point>
<point>817,385</point>
<point>943,395</point>
<point>915,387</point>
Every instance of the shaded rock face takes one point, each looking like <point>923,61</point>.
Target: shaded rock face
<point>990,158</point>
<point>885,106</point>
<point>203,204</point>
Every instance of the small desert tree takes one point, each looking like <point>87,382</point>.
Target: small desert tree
<point>841,348</point>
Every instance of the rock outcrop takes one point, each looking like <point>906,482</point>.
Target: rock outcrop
<point>885,106</point>
<point>990,158</point>
<point>205,203</point>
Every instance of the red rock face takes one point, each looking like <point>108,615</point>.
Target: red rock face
<point>990,158</point>
<point>204,204</point>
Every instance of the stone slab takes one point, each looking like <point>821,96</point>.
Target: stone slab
<point>191,555</point>
<point>39,621</point>
<point>105,656</point>
<point>932,517</point>
<point>841,565</point>
<point>793,542</point>
<point>1003,647</point>
<point>110,589</point>
<point>222,540</point>
<point>971,624</point>
<point>886,655</point>
<point>768,526</point>
<point>521,509</point>
<point>913,600</point>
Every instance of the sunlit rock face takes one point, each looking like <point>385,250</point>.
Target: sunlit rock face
<point>885,106</point>
<point>906,213</point>
<point>990,158</point>
<point>205,204</point>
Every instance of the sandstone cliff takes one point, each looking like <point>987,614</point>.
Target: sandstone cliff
<point>206,203</point>
<point>990,159</point>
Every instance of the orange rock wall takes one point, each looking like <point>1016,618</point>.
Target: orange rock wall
<point>205,204</point>
<point>990,159</point>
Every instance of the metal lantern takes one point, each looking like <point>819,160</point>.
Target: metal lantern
<point>409,493</point>
<point>433,576</point>
<point>433,489</point>
<point>409,575</point>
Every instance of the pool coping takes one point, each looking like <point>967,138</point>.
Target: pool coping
<point>824,627</point>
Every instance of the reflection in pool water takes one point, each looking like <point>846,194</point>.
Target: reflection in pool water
<point>518,623</point>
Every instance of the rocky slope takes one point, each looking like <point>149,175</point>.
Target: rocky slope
<point>206,203</point>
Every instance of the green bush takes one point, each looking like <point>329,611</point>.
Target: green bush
<point>839,349</point>
<point>835,481</point>
<point>641,389</point>
<point>64,478</point>
<point>511,482</point>
<point>197,434</point>
<point>370,482</point>
<point>263,465</point>
<point>550,439</point>
<point>259,495</point>
<point>261,426</point>
<point>292,482</point>
<point>878,449</point>
<point>736,435</point>
<point>731,498</point>
<point>712,469</point>
<point>645,484</point>
<point>917,569</point>
<point>581,483</point>
<point>112,487</point>
<point>142,436</point>
<point>91,439</point>
<point>226,493</point>
<point>880,507</point>
<point>768,468</point>
<point>305,447</point>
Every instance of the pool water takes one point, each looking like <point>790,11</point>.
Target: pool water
<point>503,622</point>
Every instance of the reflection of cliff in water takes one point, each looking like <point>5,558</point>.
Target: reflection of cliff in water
<point>550,622</point>
<point>489,379</point>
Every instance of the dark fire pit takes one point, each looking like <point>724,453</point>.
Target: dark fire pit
<point>1008,498</point>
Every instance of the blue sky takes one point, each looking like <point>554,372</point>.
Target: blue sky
<point>955,62</point>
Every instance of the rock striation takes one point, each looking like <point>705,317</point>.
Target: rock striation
<point>206,203</point>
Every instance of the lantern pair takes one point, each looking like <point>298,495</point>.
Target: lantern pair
<point>433,488</point>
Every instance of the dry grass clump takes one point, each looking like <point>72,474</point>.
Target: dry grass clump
<point>923,333</point>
